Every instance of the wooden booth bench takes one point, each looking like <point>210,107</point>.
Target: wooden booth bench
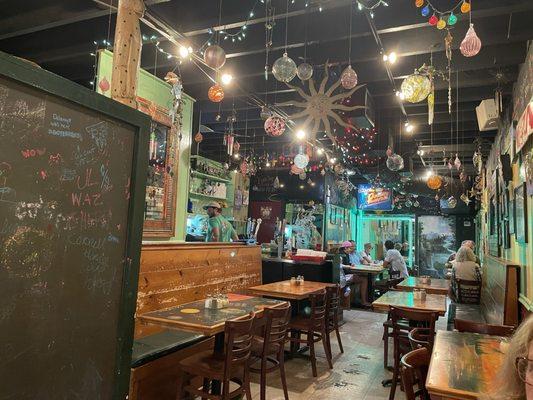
<point>172,274</point>
<point>499,296</point>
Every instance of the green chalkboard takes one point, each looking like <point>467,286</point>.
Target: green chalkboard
<point>72,177</point>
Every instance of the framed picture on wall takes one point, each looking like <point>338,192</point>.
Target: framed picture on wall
<point>520,214</point>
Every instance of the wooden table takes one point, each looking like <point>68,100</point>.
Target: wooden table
<point>433,302</point>
<point>437,286</point>
<point>284,289</point>
<point>463,365</point>
<point>364,269</point>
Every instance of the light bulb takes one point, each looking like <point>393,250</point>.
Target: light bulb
<point>300,134</point>
<point>392,57</point>
<point>226,79</point>
<point>184,52</point>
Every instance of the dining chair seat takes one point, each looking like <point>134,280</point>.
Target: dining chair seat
<point>258,347</point>
<point>206,364</point>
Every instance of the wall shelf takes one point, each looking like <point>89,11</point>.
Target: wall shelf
<point>206,196</point>
<point>207,176</point>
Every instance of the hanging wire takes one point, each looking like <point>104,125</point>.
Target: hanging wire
<point>286,25</point>
<point>350,35</point>
<point>219,20</point>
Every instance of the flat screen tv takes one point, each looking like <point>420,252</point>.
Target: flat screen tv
<point>371,198</point>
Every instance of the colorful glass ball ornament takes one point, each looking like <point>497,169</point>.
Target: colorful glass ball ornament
<point>425,11</point>
<point>452,19</point>
<point>302,176</point>
<point>452,202</point>
<point>434,182</point>
<point>433,20</point>
<point>349,78</point>
<point>284,69</point>
<point>471,44</point>
<point>441,24</point>
<point>215,56</point>
<point>301,160</point>
<point>216,93</point>
<point>274,126</point>
<point>419,3</point>
<point>416,88</point>
<point>304,71</point>
<point>395,162</point>
<point>465,7</point>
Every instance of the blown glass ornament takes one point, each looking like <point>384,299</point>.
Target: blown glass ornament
<point>304,71</point>
<point>465,7</point>
<point>274,126</point>
<point>284,69</point>
<point>419,3</point>
<point>433,20</point>
<point>452,202</point>
<point>301,160</point>
<point>302,176</point>
<point>416,88</point>
<point>441,24</point>
<point>425,11</point>
<point>395,162</point>
<point>216,93</point>
<point>452,19</point>
<point>434,182</point>
<point>471,44</point>
<point>349,78</point>
<point>215,56</point>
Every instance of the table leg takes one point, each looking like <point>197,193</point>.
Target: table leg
<point>370,288</point>
<point>219,348</point>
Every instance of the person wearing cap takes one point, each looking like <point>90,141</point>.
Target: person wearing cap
<point>219,228</point>
<point>347,248</point>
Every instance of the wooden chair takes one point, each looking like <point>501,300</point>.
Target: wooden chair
<point>419,337</point>
<point>414,370</point>
<point>400,335</point>
<point>468,292</point>
<point>230,366</point>
<point>268,349</point>
<point>333,300</point>
<point>313,327</point>
<point>463,325</point>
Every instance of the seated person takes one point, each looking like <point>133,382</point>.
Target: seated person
<point>464,267</point>
<point>347,248</point>
<point>471,245</point>
<point>515,379</point>
<point>365,256</point>
<point>405,249</point>
<point>394,260</point>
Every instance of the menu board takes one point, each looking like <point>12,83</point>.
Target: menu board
<point>65,234</point>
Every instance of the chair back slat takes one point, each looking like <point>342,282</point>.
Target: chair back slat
<point>318,310</point>
<point>426,318</point>
<point>277,321</point>
<point>333,300</point>
<point>238,346</point>
<point>414,370</point>
<point>462,325</point>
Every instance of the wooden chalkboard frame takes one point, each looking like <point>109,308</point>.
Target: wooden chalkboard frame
<point>22,71</point>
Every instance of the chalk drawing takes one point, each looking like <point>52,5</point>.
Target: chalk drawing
<point>99,134</point>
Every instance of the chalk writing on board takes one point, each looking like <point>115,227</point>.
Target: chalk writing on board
<point>84,156</point>
<point>68,174</point>
<point>99,134</point>
<point>61,126</point>
<point>28,153</point>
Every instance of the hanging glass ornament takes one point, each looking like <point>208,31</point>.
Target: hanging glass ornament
<point>425,11</point>
<point>274,126</point>
<point>465,7</point>
<point>236,147</point>
<point>304,71</point>
<point>216,93</point>
<point>302,176</point>
<point>471,44</point>
<point>452,19</point>
<point>349,78</point>
<point>244,168</point>
<point>457,162</point>
<point>433,20</point>
<point>452,202</point>
<point>434,182</point>
<point>465,199</point>
<point>215,56</point>
<point>310,182</point>
<point>395,162</point>
<point>198,137</point>
<point>301,160</point>
<point>276,183</point>
<point>441,24</point>
<point>416,88</point>
<point>284,69</point>
<point>408,203</point>
<point>419,3</point>
<point>416,203</point>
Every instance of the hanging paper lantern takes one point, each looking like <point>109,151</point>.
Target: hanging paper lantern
<point>441,24</point>
<point>274,126</point>
<point>104,85</point>
<point>452,202</point>
<point>471,44</point>
<point>452,19</point>
<point>215,56</point>
<point>305,71</point>
<point>465,7</point>
<point>434,182</point>
<point>433,20</point>
<point>416,88</point>
<point>419,3</point>
<point>349,78</point>
<point>295,170</point>
<point>425,11</point>
<point>395,162</point>
<point>198,137</point>
<point>216,93</point>
<point>284,69</point>
<point>301,160</point>
<point>265,113</point>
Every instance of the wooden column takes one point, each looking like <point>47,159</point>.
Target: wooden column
<point>127,52</point>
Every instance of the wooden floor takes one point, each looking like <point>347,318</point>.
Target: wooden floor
<point>357,374</point>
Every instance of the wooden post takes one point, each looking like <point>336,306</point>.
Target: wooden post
<point>127,52</point>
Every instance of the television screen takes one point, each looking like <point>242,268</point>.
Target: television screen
<point>374,198</point>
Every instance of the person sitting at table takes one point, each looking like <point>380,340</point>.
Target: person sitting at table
<point>347,248</point>
<point>464,267</point>
<point>472,245</point>
<point>404,251</point>
<point>515,379</point>
<point>394,260</point>
<point>365,256</point>
<point>355,258</point>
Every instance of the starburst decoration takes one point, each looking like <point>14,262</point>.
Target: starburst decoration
<point>321,107</point>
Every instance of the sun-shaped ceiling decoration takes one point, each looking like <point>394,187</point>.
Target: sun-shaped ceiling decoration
<point>321,106</point>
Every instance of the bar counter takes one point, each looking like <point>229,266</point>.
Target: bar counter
<point>280,269</point>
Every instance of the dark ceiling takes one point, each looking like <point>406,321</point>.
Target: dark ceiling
<point>59,36</point>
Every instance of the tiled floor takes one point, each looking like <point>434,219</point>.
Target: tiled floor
<point>356,374</point>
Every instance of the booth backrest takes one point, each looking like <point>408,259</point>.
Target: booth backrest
<point>175,273</point>
<point>499,295</point>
